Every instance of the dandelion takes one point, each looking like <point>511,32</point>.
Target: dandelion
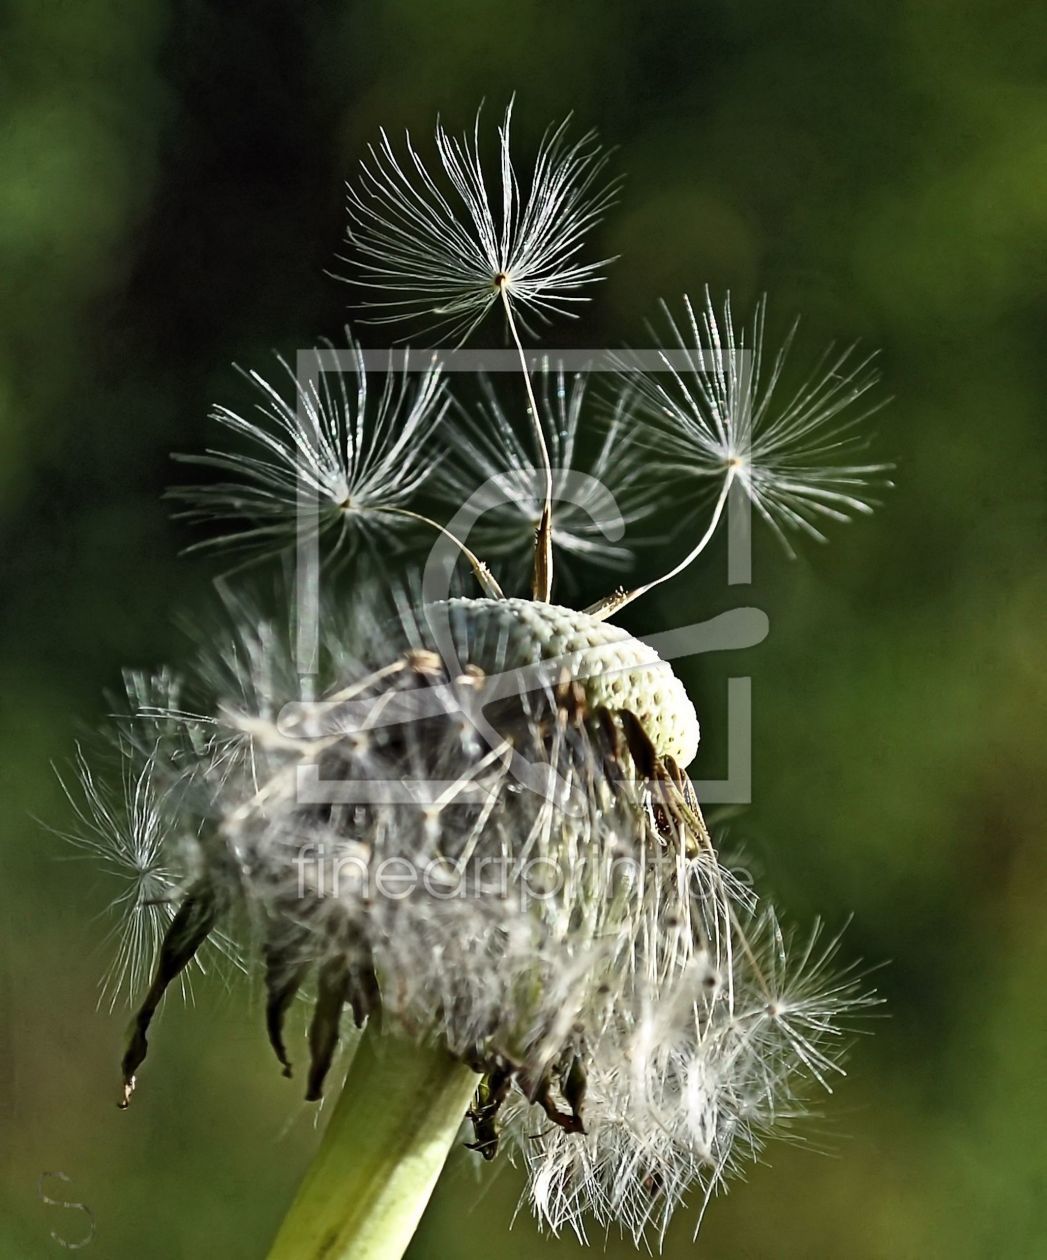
<point>580,951</point>
<point>471,831</point>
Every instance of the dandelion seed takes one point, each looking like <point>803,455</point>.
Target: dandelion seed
<point>705,1087</point>
<point>335,460</point>
<point>460,261</point>
<point>721,416</point>
<point>454,251</point>
<point>716,421</point>
<point>133,837</point>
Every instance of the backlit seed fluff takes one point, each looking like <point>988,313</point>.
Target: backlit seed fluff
<point>131,835</point>
<point>332,454</point>
<point>796,457</point>
<point>440,243</point>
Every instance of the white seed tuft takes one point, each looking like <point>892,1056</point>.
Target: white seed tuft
<point>336,459</point>
<point>446,246</point>
<point>720,415</point>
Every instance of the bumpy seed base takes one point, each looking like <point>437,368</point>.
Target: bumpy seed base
<point>615,670</point>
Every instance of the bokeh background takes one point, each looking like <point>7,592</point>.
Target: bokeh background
<point>170,196</point>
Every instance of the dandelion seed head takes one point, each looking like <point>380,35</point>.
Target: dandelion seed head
<point>615,670</point>
<point>644,1022</point>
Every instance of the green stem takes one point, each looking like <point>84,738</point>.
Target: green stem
<point>381,1154</point>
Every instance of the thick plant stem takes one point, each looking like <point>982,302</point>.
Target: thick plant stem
<point>381,1154</point>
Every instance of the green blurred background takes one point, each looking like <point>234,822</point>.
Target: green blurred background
<point>170,195</point>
